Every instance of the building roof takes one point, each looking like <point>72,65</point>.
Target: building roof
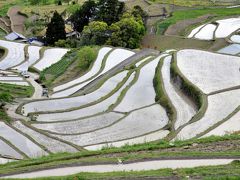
<point>14,36</point>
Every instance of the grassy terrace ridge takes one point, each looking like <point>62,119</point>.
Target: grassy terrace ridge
<point>161,149</point>
<point>72,64</point>
<point>192,3</point>
<point>161,95</point>
<point>16,91</point>
<point>221,172</point>
<point>13,91</point>
<point>191,14</point>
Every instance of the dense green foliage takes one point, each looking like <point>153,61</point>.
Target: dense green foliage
<point>16,91</point>
<point>107,22</point>
<point>128,32</point>
<point>83,15</point>
<point>68,43</point>
<point>45,2</point>
<point>4,9</point>
<point>5,97</point>
<point>55,29</point>
<point>95,33</point>
<point>86,56</point>
<point>109,11</point>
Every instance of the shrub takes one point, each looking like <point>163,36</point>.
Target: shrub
<point>5,97</point>
<point>86,56</point>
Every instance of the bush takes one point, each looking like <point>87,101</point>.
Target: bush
<point>86,56</point>
<point>5,97</point>
<point>69,43</point>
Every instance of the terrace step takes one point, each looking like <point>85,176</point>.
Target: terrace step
<point>3,26</point>
<point>131,60</point>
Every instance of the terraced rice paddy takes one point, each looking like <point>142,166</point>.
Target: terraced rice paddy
<point>116,102</point>
<point>13,78</point>
<point>134,125</point>
<point>114,58</point>
<point>217,111</point>
<point>20,141</point>
<point>33,57</point>
<point>184,110</point>
<point>233,49</point>
<point>209,71</point>
<point>15,55</point>
<point>50,56</point>
<point>95,69</point>
<point>135,97</point>
<point>218,29</point>
<point>85,112</point>
<point>206,33</point>
<point>228,127</point>
<point>78,101</point>
<point>235,39</point>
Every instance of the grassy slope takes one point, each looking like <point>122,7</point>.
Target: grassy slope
<point>191,3</point>
<point>160,149</point>
<point>16,92</point>
<point>191,14</point>
<point>69,67</point>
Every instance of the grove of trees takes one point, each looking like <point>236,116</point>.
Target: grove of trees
<point>108,22</point>
<point>101,22</point>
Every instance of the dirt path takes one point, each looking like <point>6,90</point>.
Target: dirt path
<point>11,108</point>
<point>17,20</point>
<point>139,166</point>
<point>38,88</point>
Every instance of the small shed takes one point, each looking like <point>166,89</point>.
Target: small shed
<point>15,36</point>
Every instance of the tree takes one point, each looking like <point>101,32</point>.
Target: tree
<point>83,15</point>
<point>55,29</point>
<point>128,32</point>
<point>95,33</point>
<point>59,3</point>
<point>86,55</point>
<point>109,11</point>
<point>137,11</point>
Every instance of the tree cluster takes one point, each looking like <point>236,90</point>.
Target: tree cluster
<point>104,22</point>
<point>107,22</point>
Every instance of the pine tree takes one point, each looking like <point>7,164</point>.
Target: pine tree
<point>55,29</point>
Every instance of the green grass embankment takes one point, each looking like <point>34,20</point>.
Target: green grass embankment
<point>154,150</point>
<point>191,14</point>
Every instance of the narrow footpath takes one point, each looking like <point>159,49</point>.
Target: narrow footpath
<point>11,108</point>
